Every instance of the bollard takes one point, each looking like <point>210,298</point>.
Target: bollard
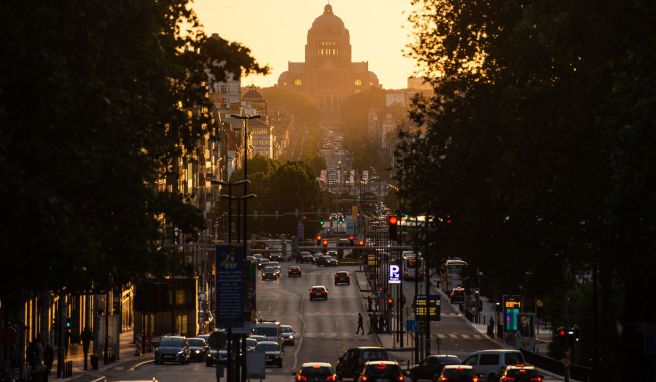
<point>94,361</point>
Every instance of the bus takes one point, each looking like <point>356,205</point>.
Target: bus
<point>453,275</point>
<point>413,267</point>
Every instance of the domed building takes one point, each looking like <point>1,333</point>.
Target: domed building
<point>328,75</point>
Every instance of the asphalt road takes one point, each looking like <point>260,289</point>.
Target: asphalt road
<point>324,329</point>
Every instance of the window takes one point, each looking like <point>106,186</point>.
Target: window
<point>358,82</point>
<point>489,359</point>
<point>224,88</point>
<point>471,361</point>
<point>431,361</point>
<point>514,358</point>
<point>298,82</point>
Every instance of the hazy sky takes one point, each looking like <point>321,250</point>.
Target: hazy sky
<point>276,32</point>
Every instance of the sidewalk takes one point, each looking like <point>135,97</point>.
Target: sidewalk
<point>126,359</point>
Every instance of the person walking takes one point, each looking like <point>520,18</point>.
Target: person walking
<point>369,302</point>
<point>86,341</point>
<point>48,355</point>
<point>360,322</point>
<point>373,324</point>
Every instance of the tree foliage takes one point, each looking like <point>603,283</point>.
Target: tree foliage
<point>95,111</point>
<point>539,145</point>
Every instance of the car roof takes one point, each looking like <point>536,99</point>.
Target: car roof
<point>442,356</point>
<point>318,286</point>
<point>527,367</point>
<point>464,367</point>
<point>196,338</point>
<point>322,364</point>
<point>267,343</point>
<point>368,348</point>
<point>341,272</point>
<point>178,337</point>
<point>286,326</point>
<point>496,351</point>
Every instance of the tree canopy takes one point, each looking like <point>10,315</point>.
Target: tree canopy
<point>96,99</point>
<point>538,144</point>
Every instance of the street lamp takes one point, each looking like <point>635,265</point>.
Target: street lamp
<point>230,198</point>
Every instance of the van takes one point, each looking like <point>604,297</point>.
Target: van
<point>271,329</point>
<point>492,362</point>
<point>351,363</point>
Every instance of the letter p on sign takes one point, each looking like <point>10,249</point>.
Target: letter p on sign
<point>394,274</point>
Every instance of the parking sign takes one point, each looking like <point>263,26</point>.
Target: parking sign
<point>394,274</point>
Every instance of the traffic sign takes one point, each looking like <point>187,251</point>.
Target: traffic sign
<point>217,340</point>
<point>394,274</point>
<point>434,307</point>
<point>411,325</point>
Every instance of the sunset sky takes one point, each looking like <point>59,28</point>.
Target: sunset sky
<point>276,32</point>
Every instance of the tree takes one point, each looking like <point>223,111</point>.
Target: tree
<point>96,110</point>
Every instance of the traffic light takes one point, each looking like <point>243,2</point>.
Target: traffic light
<point>325,243</point>
<point>390,302</point>
<point>449,221</point>
<point>318,240</point>
<point>361,242</point>
<point>321,221</point>
<point>561,333</point>
<point>341,220</point>
<point>68,322</point>
<point>392,221</point>
<point>351,238</point>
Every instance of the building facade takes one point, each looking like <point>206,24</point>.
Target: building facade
<point>328,75</point>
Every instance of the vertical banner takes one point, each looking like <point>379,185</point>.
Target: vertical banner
<point>229,286</point>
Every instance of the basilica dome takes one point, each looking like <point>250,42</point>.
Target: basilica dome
<point>327,23</point>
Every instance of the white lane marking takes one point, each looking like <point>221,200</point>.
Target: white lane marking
<point>453,335</point>
<point>440,335</point>
<point>476,336</point>
<point>465,336</point>
<point>300,343</point>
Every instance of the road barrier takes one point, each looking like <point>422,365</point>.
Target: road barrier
<point>577,372</point>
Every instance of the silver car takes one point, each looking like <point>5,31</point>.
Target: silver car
<point>287,335</point>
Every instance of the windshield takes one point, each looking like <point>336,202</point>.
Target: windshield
<point>251,342</point>
<point>172,342</point>
<point>374,355</point>
<point>266,331</point>
<point>311,372</point>
<point>273,263</point>
<point>196,342</point>
<point>287,329</point>
<point>269,269</point>
<point>267,347</point>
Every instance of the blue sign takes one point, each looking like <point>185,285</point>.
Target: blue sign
<point>411,325</point>
<point>229,286</point>
<point>394,274</point>
<point>431,306</point>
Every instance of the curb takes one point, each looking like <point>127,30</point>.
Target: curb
<point>364,307</point>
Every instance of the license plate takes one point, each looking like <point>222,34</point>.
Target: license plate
<point>383,380</point>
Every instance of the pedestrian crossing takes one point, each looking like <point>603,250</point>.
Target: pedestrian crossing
<point>442,336</point>
<point>460,336</point>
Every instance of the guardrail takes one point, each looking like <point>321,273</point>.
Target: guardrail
<point>577,372</point>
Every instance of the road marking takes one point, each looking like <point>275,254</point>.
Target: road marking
<point>465,336</point>
<point>476,336</point>
<point>440,335</point>
<point>300,343</point>
<point>453,335</point>
<point>140,364</point>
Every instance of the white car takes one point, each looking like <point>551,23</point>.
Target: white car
<point>492,362</point>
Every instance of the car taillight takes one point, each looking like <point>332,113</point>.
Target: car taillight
<point>475,379</point>
<point>536,379</point>
<point>330,378</point>
<point>443,379</point>
<point>301,378</point>
<point>364,378</point>
<point>401,378</point>
<point>506,379</point>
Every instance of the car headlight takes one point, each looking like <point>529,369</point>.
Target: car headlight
<point>180,352</point>
<point>197,351</point>
<point>291,337</point>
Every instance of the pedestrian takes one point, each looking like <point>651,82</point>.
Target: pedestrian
<point>360,327</point>
<point>86,341</point>
<point>382,324</point>
<point>369,302</point>
<point>48,356</point>
<point>373,324</point>
<point>490,327</point>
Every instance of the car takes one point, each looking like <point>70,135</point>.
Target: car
<point>172,349</point>
<point>342,277</point>
<point>316,256</point>
<point>258,337</point>
<point>219,356</point>
<point>520,374</point>
<point>287,335</point>
<point>197,349</point>
<point>274,264</point>
<point>306,257</point>
<point>381,371</point>
<point>318,292</point>
<point>263,263</point>
<point>351,363</point>
<point>431,366</point>
<point>251,343</point>
<point>270,273</point>
<point>458,373</point>
<point>332,253</point>
<point>272,351</point>
<point>294,271</point>
<point>491,362</point>
<point>327,261</point>
<point>276,256</point>
<point>258,257</point>
<point>315,372</point>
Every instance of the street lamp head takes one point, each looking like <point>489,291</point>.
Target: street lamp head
<point>245,116</point>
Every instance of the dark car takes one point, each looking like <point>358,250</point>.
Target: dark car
<point>458,373</point>
<point>288,335</point>
<point>431,366</point>
<point>272,351</point>
<point>520,374</point>
<point>351,363</point>
<point>197,349</point>
<point>306,257</point>
<point>327,261</point>
<point>270,273</point>
<point>276,256</point>
<point>262,263</point>
<point>294,271</point>
<point>315,372</point>
<point>318,292</point>
<point>381,371</point>
<point>219,356</point>
<point>342,277</point>
<point>172,349</point>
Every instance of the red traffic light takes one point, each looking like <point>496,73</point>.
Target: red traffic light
<point>361,243</point>
<point>561,332</point>
<point>318,237</point>
<point>393,220</point>
<point>325,243</point>
<point>390,301</point>
<point>351,237</point>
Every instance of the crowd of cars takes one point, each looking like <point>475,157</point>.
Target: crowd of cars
<point>268,337</point>
<point>372,364</point>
